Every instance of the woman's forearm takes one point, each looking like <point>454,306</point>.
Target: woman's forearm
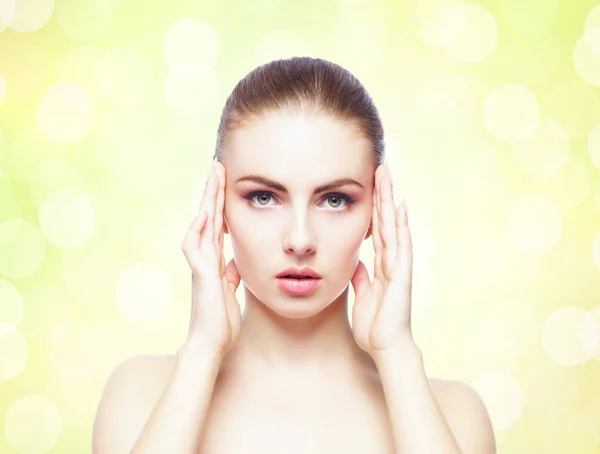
<point>417,421</point>
<point>177,421</point>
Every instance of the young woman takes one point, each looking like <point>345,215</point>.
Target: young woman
<point>298,183</point>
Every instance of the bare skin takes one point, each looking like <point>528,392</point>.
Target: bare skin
<point>262,411</point>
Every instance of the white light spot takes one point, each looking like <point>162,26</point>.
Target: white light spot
<point>191,45</point>
<point>32,424</point>
<point>31,15</point>
<point>22,248</point>
<point>143,291</point>
<point>13,355</point>
<point>533,223</point>
<point>586,61</point>
<point>562,336</point>
<point>478,35</point>
<point>502,395</point>
<point>67,218</point>
<point>74,350</point>
<point>192,96</point>
<point>11,309</point>
<point>7,13</point>
<point>511,113</point>
<point>592,29</point>
<point>65,113</point>
<point>445,25</point>
<point>546,152</point>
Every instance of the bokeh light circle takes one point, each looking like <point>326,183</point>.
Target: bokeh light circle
<point>143,291</point>
<point>14,354</point>
<point>471,33</point>
<point>11,309</point>
<point>7,13</point>
<point>596,250</point>
<point>592,29</point>
<point>563,335</point>
<point>65,113</point>
<point>511,113</point>
<point>586,61</point>
<point>546,152</point>
<point>67,218</point>
<point>533,223</point>
<point>22,248</point>
<point>32,424</point>
<point>191,45</point>
<point>31,15</point>
<point>502,395</point>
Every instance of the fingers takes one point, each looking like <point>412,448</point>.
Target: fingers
<point>191,240</point>
<point>218,234</point>
<point>388,217</point>
<point>208,204</point>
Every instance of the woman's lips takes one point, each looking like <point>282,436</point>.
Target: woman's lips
<point>302,286</point>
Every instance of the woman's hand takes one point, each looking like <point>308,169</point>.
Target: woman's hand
<point>382,308</point>
<point>215,316</point>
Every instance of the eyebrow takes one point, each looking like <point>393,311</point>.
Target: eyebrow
<point>279,187</point>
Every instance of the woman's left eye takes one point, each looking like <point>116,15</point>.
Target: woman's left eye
<point>332,196</point>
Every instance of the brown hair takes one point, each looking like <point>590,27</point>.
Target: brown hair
<point>302,83</point>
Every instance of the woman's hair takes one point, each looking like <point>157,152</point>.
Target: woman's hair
<point>302,83</point>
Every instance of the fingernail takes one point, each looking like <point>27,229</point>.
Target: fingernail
<point>404,203</point>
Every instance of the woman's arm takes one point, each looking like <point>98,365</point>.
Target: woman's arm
<point>418,422</point>
<point>175,423</point>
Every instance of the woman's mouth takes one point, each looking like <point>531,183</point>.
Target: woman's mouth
<point>298,285</point>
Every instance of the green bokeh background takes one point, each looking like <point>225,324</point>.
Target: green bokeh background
<point>108,117</point>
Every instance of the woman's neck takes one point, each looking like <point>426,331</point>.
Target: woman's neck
<point>320,344</point>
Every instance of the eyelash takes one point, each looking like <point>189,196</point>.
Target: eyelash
<point>349,200</point>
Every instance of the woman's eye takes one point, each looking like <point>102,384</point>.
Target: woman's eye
<point>334,199</point>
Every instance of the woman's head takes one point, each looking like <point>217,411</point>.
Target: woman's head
<point>301,123</point>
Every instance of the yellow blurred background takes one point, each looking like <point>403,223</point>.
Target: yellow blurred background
<point>108,118</point>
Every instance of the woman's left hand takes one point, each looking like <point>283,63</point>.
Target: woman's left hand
<point>381,316</point>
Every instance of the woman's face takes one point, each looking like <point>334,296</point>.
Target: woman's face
<point>292,226</point>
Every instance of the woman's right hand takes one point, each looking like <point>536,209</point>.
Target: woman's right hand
<point>215,315</point>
